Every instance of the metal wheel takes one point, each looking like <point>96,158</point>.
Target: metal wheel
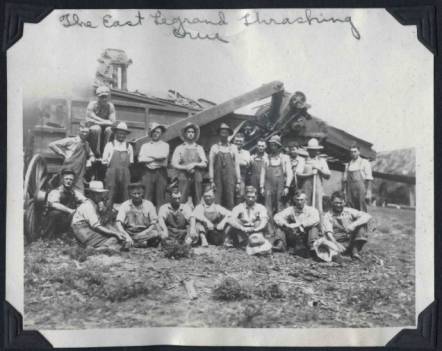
<point>34,196</point>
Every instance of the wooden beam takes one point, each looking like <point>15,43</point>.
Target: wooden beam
<point>213,113</point>
<point>395,177</point>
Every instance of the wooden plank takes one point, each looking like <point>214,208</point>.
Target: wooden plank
<point>217,111</point>
<point>395,177</point>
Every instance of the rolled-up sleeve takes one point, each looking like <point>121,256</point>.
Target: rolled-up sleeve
<point>176,156</point>
<point>91,216</point>
<point>311,217</point>
<point>327,223</point>
<point>202,154</point>
<point>152,213</point>
<point>366,170</point>
<point>121,216</point>
<point>282,217</point>
<point>54,196</point>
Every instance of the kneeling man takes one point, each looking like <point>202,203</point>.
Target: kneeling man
<point>249,217</point>
<point>174,219</point>
<point>87,224</point>
<point>294,221</point>
<point>138,218</point>
<point>346,225</point>
<point>210,219</point>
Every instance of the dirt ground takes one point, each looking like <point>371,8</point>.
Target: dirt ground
<point>66,288</point>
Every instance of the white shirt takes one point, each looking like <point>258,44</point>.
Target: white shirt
<point>117,146</point>
<point>158,149</point>
<point>360,164</point>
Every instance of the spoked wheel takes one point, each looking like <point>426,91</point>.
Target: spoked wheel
<point>34,196</point>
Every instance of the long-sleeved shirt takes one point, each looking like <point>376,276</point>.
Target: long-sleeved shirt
<point>334,222</point>
<point>201,208</point>
<point>54,195</point>
<point>157,149</point>
<point>360,164</point>
<point>319,162</point>
<point>146,214</point>
<point>87,212</point>
<point>68,146</point>
<point>250,215</point>
<point>307,216</point>
<point>165,209</point>
<point>275,161</point>
<point>218,147</point>
<point>117,146</point>
<point>178,153</point>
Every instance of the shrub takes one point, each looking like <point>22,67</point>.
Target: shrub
<point>229,289</point>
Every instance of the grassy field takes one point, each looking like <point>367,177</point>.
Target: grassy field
<point>67,288</point>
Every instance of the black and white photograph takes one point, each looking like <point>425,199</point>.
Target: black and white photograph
<point>226,177</point>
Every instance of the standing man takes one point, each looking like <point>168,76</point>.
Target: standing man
<point>138,218</point>
<point>249,217</point>
<point>87,224</point>
<point>297,162</point>
<point>244,165</point>
<point>210,219</point>
<point>190,160</point>
<point>62,203</point>
<point>357,180</point>
<point>174,219</point>
<point>276,177</point>
<point>224,169</point>
<point>76,152</point>
<point>345,224</point>
<point>256,165</point>
<point>297,220</point>
<point>118,155</point>
<point>314,172</point>
<point>100,116</point>
<point>154,154</point>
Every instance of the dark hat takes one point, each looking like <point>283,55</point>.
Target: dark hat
<point>135,185</point>
<point>225,126</point>
<point>68,171</point>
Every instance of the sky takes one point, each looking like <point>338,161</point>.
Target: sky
<point>378,87</point>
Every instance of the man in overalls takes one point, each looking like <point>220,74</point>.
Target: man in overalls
<point>245,161</point>
<point>346,225</point>
<point>76,153</point>
<point>118,155</point>
<point>138,218</point>
<point>297,162</point>
<point>249,217</point>
<point>174,219</point>
<point>100,116</point>
<point>154,154</point>
<point>224,169</point>
<point>276,177</point>
<point>190,160</point>
<point>62,203</point>
<point>87,224</point>
<point>314,172</point>
<point>210,219</point>
<point>256,165</point>
<point>357,180</point>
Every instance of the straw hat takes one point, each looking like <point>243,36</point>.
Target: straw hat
<point>121,127</point>
<point>155,125</point>
<point>313,144</point>
<point>276,139</point>
<point>187,126</point>
<point>258,245</point>
<point>325,249</point>
<point>225,126</point>
<point>103,90</point>
<point>95,186</point>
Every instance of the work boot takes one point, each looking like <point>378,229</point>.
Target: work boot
<point>278,246</point>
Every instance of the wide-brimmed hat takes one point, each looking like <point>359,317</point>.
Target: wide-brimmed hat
<point>225,126</point>
<point>135,185</point>
<point>155,125</point>
<point>313,144</point>
<point>121,127</point>
<point>276,139</point>
<point>103,90</point>
<point>187,126</point>
<point>95,186</point>
<point>325,249</point>
<point>257,244</point>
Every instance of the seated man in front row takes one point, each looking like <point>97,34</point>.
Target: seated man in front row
<point>174,220</point>
<point>345,224</point>
<point>210,219</point>
<point>297,220</point>
<point>87,222</point>
<point>249,217</point>
<point>138,218</point>
<point>62,203</point>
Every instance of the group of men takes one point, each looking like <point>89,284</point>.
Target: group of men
<point>263,202</point>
